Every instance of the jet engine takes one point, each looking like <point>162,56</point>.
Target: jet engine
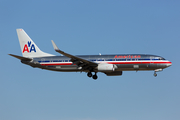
<point>106,67</point>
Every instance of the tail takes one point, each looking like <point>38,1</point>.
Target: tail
<point>28,47</point>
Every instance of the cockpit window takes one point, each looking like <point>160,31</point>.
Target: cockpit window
<point>161,58</point>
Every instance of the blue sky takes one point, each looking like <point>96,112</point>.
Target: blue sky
<point>90,27</point>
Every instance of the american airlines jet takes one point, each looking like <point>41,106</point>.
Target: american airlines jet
<point>111,65</point>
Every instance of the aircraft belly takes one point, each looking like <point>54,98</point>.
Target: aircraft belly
<point>62,68</point>
<point>66,68</point>
<point>126,67</point>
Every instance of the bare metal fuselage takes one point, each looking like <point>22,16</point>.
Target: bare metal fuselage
<point>124,63</point>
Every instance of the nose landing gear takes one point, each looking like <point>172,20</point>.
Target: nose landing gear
<point>157,70</point>
<point>155,74</point>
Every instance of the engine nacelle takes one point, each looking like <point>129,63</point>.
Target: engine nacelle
<point>106,67</point>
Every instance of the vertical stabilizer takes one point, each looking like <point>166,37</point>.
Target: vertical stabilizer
<point>28,47</point>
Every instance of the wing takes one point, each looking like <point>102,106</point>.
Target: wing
<point>82,63</point>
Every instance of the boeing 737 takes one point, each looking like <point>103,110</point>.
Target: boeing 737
<point>111,65</point>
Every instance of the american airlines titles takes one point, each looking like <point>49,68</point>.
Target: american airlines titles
<point>128,56</point>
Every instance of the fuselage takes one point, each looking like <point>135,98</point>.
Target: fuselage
<point>124,62</point>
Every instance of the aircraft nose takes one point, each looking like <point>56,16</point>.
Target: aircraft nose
<point>169,64</point>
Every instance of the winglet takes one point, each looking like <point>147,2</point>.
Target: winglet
<point>54,45</point>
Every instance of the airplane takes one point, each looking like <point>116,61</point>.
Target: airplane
<point>111,65</point>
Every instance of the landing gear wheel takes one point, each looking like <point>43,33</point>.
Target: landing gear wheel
<point>95,77</point>
<point>155,74</point>
<point>89,74</point>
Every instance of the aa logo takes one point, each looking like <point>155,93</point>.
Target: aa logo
<point>27,46</point>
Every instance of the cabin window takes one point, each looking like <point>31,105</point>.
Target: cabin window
<point>100,60</point>
<point>92,60</point>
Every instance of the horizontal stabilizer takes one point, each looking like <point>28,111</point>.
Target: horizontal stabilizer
<point>21,58</point>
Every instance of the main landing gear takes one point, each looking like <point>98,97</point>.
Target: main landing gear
<point>89,74</point>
